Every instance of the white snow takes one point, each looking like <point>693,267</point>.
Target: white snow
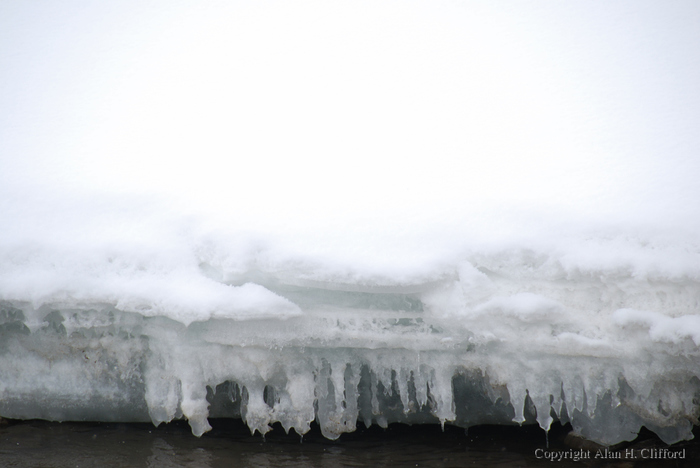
<point>368,211</point>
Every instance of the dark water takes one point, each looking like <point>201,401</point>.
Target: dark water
<point>229,444</point>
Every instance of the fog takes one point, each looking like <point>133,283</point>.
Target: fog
<point>321,113</point>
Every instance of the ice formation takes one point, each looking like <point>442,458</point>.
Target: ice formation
<point>299,211</point>
<point>499,336</point>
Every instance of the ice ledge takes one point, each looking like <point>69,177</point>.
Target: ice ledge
<point>111,365</point>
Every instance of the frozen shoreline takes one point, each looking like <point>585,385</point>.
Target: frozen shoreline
<point>348,356</point>
<point>600,331</point>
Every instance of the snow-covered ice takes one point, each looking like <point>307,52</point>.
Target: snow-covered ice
<point>378,212</point>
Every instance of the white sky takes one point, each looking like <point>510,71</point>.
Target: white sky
<point>322,110</point>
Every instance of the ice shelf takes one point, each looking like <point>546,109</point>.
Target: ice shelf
<point>465,349</point>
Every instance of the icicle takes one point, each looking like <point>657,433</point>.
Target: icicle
<point>194,405</point>
<point>441,391</point>
<point>543,409</point>
<point>517,396</point>
<point>402,381</point>
<point>374,386</point>
<point>254,411</point>
<point>296,406</point>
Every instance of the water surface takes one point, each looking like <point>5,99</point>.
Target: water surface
<point>230,444</point>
